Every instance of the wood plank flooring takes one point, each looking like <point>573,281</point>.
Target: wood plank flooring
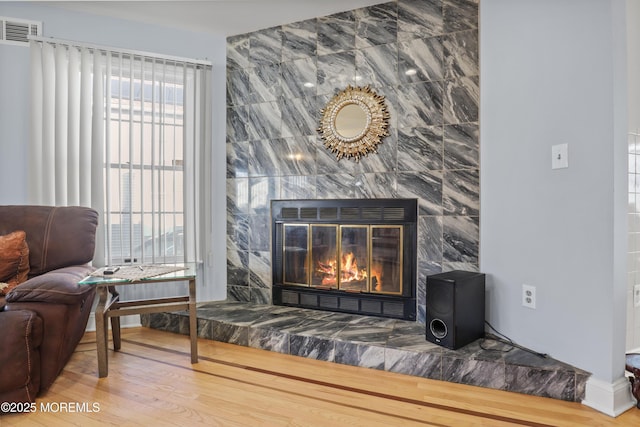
<point>151,382</point>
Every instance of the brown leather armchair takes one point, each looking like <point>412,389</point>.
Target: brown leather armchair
<point>43,319</point>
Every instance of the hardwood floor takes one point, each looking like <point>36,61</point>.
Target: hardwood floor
<point>151,382</point>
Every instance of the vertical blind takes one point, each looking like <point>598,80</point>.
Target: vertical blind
<point>125,133</point>
<point>64,152</point>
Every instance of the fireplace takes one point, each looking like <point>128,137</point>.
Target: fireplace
<point>347,255</point>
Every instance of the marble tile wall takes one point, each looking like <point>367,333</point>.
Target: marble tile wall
<point>422,56</point>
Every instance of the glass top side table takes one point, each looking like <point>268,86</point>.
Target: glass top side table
<point>111,307</point>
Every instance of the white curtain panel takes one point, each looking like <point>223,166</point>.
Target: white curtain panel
<point>67,129</point>
<point>197,83</point>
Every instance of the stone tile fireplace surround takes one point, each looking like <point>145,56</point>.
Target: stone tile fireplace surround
<point>422,56</point>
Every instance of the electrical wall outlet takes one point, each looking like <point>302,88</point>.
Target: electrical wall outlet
<point>529,296</point>
<point>636,296</point>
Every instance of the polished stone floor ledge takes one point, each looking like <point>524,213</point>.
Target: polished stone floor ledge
<point>377,343</point>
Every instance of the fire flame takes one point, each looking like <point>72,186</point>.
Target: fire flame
<point>328,272</point>
<point>376,277</point>
<point>349,271</point>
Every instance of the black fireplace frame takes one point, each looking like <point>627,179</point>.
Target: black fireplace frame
<point>347,211</point>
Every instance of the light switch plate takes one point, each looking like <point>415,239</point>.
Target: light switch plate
<point>560,156</point>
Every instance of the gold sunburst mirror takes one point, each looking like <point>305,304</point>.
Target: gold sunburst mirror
<point>354,122</point>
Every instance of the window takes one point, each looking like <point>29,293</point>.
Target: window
<point>127,133</point>
<point>147,160</point>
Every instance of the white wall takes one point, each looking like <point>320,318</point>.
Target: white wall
<point>552,73</point>
<point>14,114</point>
<point>63,24</point>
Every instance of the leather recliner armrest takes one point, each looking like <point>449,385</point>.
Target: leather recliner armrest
<point>57,287</point>
<point>19,355</point>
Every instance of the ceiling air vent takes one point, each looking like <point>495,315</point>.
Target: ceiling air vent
<point>17,31</point>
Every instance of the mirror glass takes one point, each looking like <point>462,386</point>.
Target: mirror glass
<point>351,121</point>
<point>354,122</point>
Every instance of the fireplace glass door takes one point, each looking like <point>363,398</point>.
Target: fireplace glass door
<point>354,258</point>
<point>324,247</point>
<point>296,251</point>
<point>386,259</point>
<point>350,258</point>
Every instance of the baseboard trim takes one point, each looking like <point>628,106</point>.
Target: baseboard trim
<point>125,322</point>
<point>609,398</point>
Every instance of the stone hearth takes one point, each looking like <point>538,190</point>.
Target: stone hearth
<point>372,342</point>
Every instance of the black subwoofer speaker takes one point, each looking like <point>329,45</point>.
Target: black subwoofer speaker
<point>455,308</point>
